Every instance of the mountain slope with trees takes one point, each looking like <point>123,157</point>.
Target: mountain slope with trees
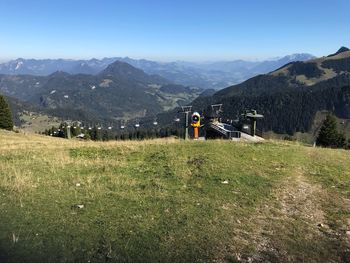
<point>289,97</point>
<point>120,91</point>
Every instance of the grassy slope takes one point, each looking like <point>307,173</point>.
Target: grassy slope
<point>35,122</point>
<point>165,201</point>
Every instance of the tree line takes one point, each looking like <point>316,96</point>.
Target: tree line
<point>96,133</point>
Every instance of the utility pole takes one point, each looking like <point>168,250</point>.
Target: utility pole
<point>186,110</point>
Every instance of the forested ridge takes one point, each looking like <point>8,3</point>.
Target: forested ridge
<point>288,104</point>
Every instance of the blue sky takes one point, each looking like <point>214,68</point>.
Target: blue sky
<point>172,29</point>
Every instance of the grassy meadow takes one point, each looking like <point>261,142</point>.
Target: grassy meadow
<point>172,201</point>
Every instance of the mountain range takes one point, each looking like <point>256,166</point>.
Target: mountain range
<point>209,75</point>
<point>44,67</point>
<point>213,75</point>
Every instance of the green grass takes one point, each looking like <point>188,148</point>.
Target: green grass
<point>165,201</point>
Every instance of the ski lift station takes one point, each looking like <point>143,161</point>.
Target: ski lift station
<point>243,129</point>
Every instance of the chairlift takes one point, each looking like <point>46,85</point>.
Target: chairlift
<point>186,109</point>
<point>122,124</point>
<point>216,107</point>
<point>98,126</point>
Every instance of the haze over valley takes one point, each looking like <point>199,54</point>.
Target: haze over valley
<point>205,75</point>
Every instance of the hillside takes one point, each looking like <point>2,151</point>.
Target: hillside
<point>291,96</point>
<point>118,92</point>
<point>295,75</point>
<point>171,201</point>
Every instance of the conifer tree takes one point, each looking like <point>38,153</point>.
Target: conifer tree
<point>5,115</point>
<point>328,135</point>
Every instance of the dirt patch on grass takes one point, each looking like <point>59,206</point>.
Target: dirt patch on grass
<point>297,213</point>
<point>292,228</point>
<point>299,198</point>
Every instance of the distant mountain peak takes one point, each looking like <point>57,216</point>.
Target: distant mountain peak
<point>120,68</point>
<point>59,73</point>
<point>341,50</point>
<point>123,70</point>
<point>297,57</point>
